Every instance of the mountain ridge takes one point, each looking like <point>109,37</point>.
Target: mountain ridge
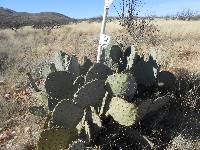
<point>13,19</point>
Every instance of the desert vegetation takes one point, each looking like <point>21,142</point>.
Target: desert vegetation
<point>27,49</point>
<point>54,95</point>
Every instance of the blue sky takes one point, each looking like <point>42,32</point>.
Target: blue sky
<point>90,8</point>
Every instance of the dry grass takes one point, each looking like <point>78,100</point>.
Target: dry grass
<point>179,48</point>
<point>179,45</point>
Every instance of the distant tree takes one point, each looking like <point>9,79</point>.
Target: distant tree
<point>186,14</point>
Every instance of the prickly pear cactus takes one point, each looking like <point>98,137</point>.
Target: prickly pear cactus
<point>79,82</point>
<point>77,145</point>
<point>131,57</point>
<point>61,60</point>
<point>124,113</point>
<point>89,125</point>
<point>122,85</point>
<point>86,66</point>
<point>166,80</point>
<point>114,57</point>
<point>52,102</point>
<point>59,85</point>
<point>146,72</point>
<point>66,114</point>
<point>73,67</point>
<point>152,105</point>
<point>56,139</point>
<point>91,94</point>
<point>105,104</point>
<point>98,94</point>
<point>64,62</point>
<point>92,116</point>
<point>113,52</point>
<point>98,71</point>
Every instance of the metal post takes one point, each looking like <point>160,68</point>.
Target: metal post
<point>103,37</point>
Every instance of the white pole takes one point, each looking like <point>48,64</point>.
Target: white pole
<point>102,33</point>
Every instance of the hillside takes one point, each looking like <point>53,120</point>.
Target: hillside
<point>13,19</point>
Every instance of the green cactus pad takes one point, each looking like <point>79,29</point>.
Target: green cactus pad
<point>77,145</point>
<point>150,105</point>
<point>64,62</point>
<point>146,72</point>
<point>78,83</point>
<point>86,66</point>
<point>166,80</point>
<point>73,67</point>
<point>116,53</point>
<point>131,57</point>
<point>115,67</point>
<point>98,71</point>
<point>66,114</point>
<point>59,85</point>
<point>122,85</point>
<point>114,56</point>
<point>93,117</point>
<point>61,60</point>
<point>105,104</point>
<point>123,112</point>
<point>113,52</point>
<point>52,102</point>
<point>56,139</point>
<point>91,94</point>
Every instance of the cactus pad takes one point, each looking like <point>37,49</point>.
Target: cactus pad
<point>59,85</point>
<point>77,145</point>
<point>61,60</point>
<point>66,114</point>
<point>52,102</point>
<point>91,94</point>
<point>98,71</point>
<point>78,82</point>
<point>152,105</point>
<point>166,80</point>
<point>123,112</point>
<point>113,52</point>
<point>114,56</point>
<point>56,139</point>
<point>116,53</point>
<point>73,67</point>
<point>105,104</point>
<point>131,57</point>
<point>86,66</point>
<point>122,85</point>
<point>146,72</point>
